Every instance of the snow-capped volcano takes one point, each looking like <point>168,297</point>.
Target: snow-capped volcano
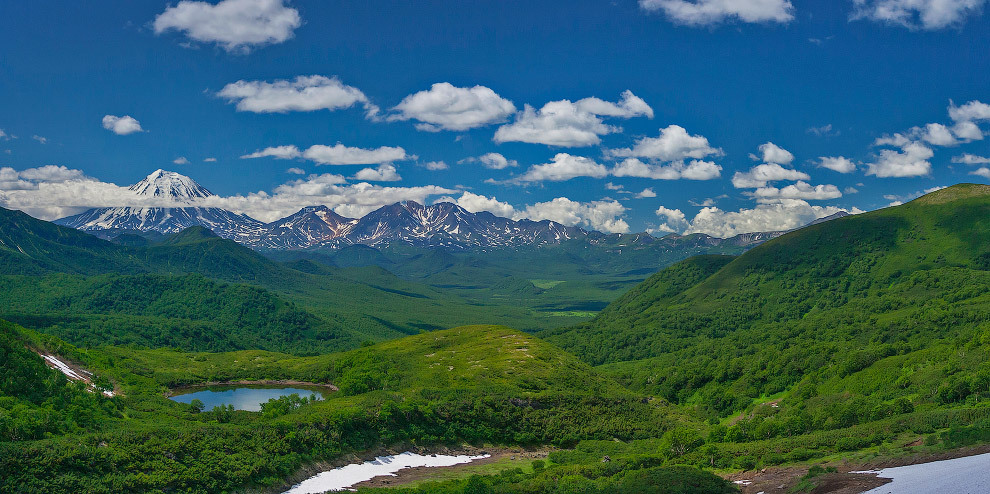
<point>163,183</point>
<point>170,187</point>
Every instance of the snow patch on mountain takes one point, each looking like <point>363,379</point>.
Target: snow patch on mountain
<point>443,224</point>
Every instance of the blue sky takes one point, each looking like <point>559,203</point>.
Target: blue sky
<point>686,93</point>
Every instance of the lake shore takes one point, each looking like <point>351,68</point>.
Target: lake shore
<point>262,382</point>
<point>845,480</point>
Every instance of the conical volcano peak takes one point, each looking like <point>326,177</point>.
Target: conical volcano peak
<point>162,183</point>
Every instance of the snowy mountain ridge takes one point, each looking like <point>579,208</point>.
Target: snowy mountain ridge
<point>442,224</point>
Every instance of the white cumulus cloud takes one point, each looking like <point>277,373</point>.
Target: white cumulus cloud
<point>917,14</point>
<point>304,93</point>
<point>50,173</point>
<point>477,203</point>
<point>337,154</point>
<point>799,190</point>
<point>772,153</point>
<point>51,191</point>
<point>340,154</point>
<point>967,131</point>
<point>837,163</point>
<point>915,144</point>
<point>964,129</point>
<point>602,215</point>
<point>785,214</point>
<point>236,25</point>
<point>494,161</point>
<point>562,167</point>
<point>121,125</point>
<point>973,111</point>
<point>823,131</point>
<point>759,175</point>
<point>435,165</point>
<point>970,159</point>
<point>707,12</point>
<point>571,124</point>
<point>910,161</point>
<point>352,201</point>
<point>694,170</point>
<point>384,173</point>
<point>278,152</point>
<point>447,107</point>
<point>938,135</point>
<point>674,220</point>
<point>673,144</point>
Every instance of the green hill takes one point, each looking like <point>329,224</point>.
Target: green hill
<point>334,308</point>
<point>37,401</point>
<point>31,246</point>
<point>479,384</point>
<point>837,324</point>
<point>185,311</point>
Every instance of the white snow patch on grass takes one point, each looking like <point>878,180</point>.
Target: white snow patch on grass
<point>342,478</point>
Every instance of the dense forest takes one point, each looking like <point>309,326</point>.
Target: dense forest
<point>334,307</point>
<point>843,323</point>
<point>474,384</point>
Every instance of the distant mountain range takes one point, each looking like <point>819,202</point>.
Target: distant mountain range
<point>444,224</point>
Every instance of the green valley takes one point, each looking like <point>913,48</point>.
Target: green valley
<point>859,338</point>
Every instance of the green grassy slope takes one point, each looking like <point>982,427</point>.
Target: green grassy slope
<point>37,401</point>
<point>495,358</point>
<point>151,310</point>
<point>31,246</point>
<point>844,322</point>
<point>481,384</point>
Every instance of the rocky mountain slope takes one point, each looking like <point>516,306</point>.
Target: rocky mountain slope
<point>444,224</point>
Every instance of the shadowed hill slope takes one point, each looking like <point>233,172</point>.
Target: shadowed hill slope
<point>819,304</point>
<point>335,308</point>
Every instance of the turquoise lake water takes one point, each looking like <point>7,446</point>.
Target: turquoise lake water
<point>247,398</point>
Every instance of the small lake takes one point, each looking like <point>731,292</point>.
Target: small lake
<point>343,478</point>
<point>967,475</point>
<point>247,398</point>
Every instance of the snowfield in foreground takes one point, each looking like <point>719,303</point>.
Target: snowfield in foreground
<point>342,478</point>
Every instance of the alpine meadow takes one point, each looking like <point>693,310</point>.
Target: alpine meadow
<point>640,246</point>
